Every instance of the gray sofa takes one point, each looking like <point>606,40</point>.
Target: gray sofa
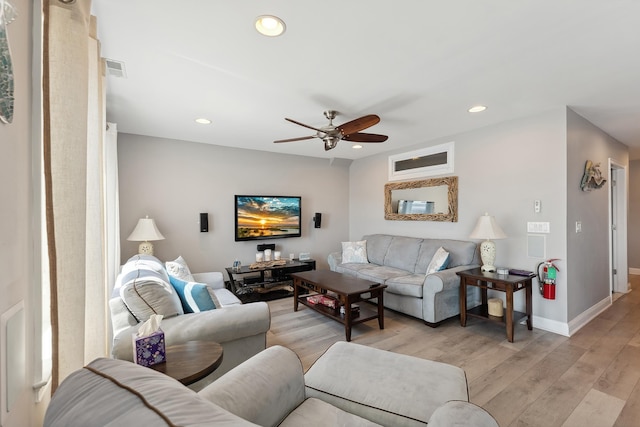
<point>401,263</point>
<point>350,385</point>
<point>241,329</point>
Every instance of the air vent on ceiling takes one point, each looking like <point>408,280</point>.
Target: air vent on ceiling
<point>116,68</point>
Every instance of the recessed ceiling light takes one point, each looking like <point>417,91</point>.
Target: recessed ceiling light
<point>203,121</point>
<point>477,108</point>
<point>357,147</point>
<point>269,25</point>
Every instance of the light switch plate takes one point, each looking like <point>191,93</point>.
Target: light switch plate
<point>538,227</point>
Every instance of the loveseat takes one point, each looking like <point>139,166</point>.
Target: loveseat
<point>144,287</point>
<point>401,263</point>
<point>350,385</point>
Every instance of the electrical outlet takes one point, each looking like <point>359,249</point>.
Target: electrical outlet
<point>537,206</point>
<point>578,226</point>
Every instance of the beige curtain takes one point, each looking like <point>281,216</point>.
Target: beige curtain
<point>74,127</point>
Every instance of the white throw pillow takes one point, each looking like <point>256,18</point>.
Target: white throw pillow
<point>439,262</point>
<point>179,268</point>
<point>355,252</point>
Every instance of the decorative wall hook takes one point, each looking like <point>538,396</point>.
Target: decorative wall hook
<point>592,177</point>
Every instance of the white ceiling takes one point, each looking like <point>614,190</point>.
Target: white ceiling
<point>418,64</point>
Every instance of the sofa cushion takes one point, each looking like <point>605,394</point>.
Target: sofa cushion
<point>355,252</point>
<point>314,412</point>
<point>352,269</point>
<point>460,253</point>
<point>439,262</point>
<point>150,293</point>
<point>115,392</point>
<point>411,285</point>
<point>377,246</point>
<point>179,268</point>
<point>380,273</point>
<point>223,297</point>
<point>403,253</point>
<point>194,296</point>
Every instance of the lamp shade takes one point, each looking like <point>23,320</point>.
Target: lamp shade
<point>145,231</point>
<point>487,228</point>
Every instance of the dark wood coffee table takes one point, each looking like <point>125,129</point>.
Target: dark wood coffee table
<point>191,361</point>
<point>348,289</point>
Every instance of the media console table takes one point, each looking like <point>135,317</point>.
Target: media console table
<point>266,283</point>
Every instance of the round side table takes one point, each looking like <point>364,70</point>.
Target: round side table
<point>191,361</point>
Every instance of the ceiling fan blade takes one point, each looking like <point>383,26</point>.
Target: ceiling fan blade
<point>365,137</point>
<point>302,138</point>
<point>358,124</point>
<point>302,124</point>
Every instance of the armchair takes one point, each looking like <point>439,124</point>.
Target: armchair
<point>144,287</point>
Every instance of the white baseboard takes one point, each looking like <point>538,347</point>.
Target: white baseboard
<point>634,271</point>
<point>588,315</point>
<point>568,329</point>
<point>549,325</point>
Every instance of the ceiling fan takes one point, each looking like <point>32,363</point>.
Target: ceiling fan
<point>349,131</point>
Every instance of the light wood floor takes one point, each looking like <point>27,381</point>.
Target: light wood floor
<point>542,379</point>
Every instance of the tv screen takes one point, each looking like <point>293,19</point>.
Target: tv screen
<point>267,217</point>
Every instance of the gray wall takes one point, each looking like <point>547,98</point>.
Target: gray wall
<point>633,225</point>
<point>173,181</point>
<point>502,169</point>
<point>588,267</point>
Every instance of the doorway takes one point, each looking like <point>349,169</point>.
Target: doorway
<point>618,266</point>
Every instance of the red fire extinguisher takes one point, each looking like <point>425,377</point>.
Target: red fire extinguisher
<point>547,273</point>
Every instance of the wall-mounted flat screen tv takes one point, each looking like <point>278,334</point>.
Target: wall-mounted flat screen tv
<point>267,217</point>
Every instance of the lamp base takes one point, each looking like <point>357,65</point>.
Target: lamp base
<point>145,248</point>
<point>488,255</point>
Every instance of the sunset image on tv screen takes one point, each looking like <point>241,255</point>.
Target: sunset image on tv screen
<point>267,217</point>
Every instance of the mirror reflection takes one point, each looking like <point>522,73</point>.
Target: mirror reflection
<point>426,200</point>
<point>433,199</point>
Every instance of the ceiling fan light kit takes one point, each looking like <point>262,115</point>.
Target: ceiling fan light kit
<point>349,131</point>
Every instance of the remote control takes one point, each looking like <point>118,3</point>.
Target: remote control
<point>517,272</point>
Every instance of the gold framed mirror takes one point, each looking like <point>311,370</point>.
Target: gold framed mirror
<point>434,199</point>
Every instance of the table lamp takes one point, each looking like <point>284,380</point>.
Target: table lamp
<point>145,232</point>
<point>487,228</point>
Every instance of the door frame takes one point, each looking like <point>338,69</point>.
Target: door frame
<point>618,207</point>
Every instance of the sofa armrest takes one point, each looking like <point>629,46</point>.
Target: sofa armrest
<point>444,280</point>
<point>221,325</point>
<point>121,317</point>
<point>263,389</point>
<point>334,259</point>
<point>462,414</point>
<point>215,279</point>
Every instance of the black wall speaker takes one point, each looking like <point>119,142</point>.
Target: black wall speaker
<point>263,246</point>
<point>204,222</point>
<point>317,219</point>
